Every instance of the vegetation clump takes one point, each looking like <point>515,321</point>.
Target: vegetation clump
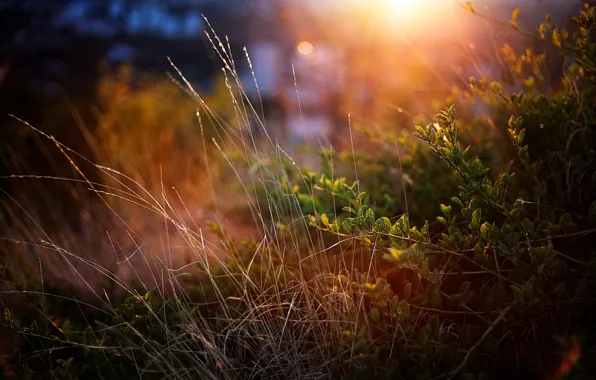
<point>444,259</point>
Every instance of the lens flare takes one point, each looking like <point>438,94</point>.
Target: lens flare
<point>305,48</point>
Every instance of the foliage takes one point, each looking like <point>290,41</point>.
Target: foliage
<point>500,282</point>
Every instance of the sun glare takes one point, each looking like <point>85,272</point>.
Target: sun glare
<point>413,16</point>
<point>401,6</point>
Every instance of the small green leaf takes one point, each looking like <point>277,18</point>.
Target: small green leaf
<point>350,210</point>
<point>476,217</point>
<point>442,220</point>
<point>403,309</point>
<point>361,196</point>
<point>485,230</point>
<point>556,38</point>
<point>521,136</point>
<point>383,225</point>
<point>426,232</point>
<point>350,224</point>
<point>408,290</point>
<point>479,250</point>
<point>325,220</point>
<point>528,226</point>
<point>369,219</point>
<point>424,270</point>
<point>515,14</point>
<point>395,253</point>
<point>469,7</point>
<point>457,201</point>
<point>446,210</point>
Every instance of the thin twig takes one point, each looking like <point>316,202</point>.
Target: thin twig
<point>479,342</point>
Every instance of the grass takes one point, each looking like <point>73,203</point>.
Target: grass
<point>158,292</point>
<point>286,328</point>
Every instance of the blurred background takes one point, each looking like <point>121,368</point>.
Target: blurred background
<point>369,59</point>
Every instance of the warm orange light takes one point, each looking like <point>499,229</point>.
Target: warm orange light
<point>305,48</point>
<point>414,16</point>
<point>401,7</point>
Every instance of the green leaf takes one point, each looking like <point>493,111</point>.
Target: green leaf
<point>521,136</point>
<point>408,290</point>
<point>515,14</point>
<point>446,210</point>
<point>476,217</point>
<point>66,330</point>
<point>395,254</point>
<point>420,130</point>
<point>369,219</point>
<point>350,224</point>
<point>469,7</point>
<point>383,225</point>
<point>528,226</point>
<point>350,210</point>
<point>556,38</point>
<point>506,230</point>
<point>403,223</point>
<point>479,250</point>
<point>361,197</point>
<point>457,201</point>
<point>486,230</point>
<point>424,270</point>
<point>426,232</point>
<point>403,310</point>
<point>442,220</point>
<point>325,220</point>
